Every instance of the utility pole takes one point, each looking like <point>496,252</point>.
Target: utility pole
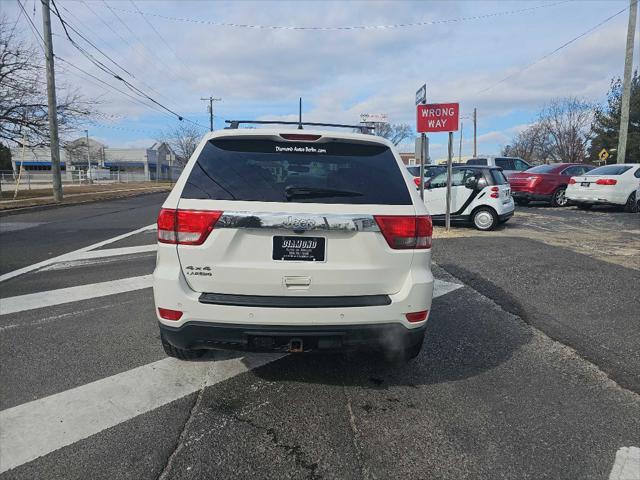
<point>626,88</point>
<point>88,158</point>
<point>211,100</point>
<point>460,146</point>
<point>51,97</point>
<point>475,135</point>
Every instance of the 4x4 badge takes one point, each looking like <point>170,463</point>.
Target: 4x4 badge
<point>201,271</point>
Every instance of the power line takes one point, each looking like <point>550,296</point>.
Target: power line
<point>135,99</point>
<point>166,44</point>
<point>33,27</point>
<point>348,27</point>
<point>146,85</point>
<point>106,69</point>
<point>564,45</point>
<point>135,35</point>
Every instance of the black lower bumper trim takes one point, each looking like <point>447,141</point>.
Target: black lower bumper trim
<point>534,197</point>
<point>201,335</point>
<point>294,302</point>
<point>505,216</point>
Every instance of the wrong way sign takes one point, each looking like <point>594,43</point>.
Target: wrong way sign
<point>438,117</point>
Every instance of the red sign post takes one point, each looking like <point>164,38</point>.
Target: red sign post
<point>438,117</point>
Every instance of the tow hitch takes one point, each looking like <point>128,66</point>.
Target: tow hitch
<point>295,345</point>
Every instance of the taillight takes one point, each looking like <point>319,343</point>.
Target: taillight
<point>533,180</point>
<point>186,227</point>
<point>406,232</point>
<point>495,192</point>
<point>416,180</point>
<point>572,181</point>
<point>414,317</point>
<point>169,314</point>
<point>606,181</point>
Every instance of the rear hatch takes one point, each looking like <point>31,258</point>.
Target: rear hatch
<point>297,216</point>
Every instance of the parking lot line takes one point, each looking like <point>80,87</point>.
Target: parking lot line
<point>72,255</point>
<point>36,428</point>
<point>73,294</point>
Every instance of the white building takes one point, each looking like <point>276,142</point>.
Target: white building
<point>157,161</point>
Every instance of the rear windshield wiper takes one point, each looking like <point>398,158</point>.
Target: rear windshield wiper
<point>312,192</point>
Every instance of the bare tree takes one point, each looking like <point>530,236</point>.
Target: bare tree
<point>394,132</point>
<point>531,144</point>
<point>183,139</point>
<point>567,126</point>
<point>560,134</point>
<point>23,94</point>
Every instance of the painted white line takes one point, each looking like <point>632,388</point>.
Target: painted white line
<point>73,294</point>
<point>114,252</point>
<point>42,426</point>
<point>36,428</point>
<point>99,256</point>
<point>15,226</point>
<point>626,465</point>
<point>440,287</point>
<point>72,255</point>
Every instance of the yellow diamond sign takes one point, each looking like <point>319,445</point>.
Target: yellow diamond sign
<point>603,155</point>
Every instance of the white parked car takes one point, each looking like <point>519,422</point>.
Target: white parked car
<point>509,165</point>
<point>480,195</point>
<point>608,185</point>
<point>293,241</point>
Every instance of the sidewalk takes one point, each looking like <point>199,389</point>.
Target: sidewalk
<point>79,194</point>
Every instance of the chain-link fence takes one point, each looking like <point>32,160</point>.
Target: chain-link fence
<point>34,179</point>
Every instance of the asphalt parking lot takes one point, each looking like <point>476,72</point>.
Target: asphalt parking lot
<point>531,367</point>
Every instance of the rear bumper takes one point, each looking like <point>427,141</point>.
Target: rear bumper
<point>505,216</point>
<point>269,338</point>
<point>532,196</point>
<point>575,196</point>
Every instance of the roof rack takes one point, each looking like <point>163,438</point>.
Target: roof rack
<point>234,124</point>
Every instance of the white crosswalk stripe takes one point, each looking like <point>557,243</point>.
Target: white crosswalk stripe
<point>72,294</point>
<point>39,427</point>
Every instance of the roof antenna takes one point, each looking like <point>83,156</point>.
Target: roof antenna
<point>300,114</point>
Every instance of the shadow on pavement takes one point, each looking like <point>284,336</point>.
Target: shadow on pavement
<point>466,336</point>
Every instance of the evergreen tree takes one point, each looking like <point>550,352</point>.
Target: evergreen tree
<point>606,122</point>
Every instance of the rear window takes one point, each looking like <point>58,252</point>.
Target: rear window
<point>270,171</point>
<point>498,177</point>
<point>477,161</point>
<point>505,163</point>
<point>415,171</point>
<point>543,169</point>
<point>609,170</point>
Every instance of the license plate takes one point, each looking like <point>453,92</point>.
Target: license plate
<point>585,184</point>
<point>305,249</point>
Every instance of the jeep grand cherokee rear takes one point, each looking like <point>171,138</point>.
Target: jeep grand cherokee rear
<point>293,242</point>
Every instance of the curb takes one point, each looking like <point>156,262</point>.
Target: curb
<point>48,206</point>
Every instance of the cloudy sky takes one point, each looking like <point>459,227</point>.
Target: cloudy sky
<point>248,54</point>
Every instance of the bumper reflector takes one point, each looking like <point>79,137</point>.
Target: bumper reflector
<point>169,314</point>
<point>415,317</point>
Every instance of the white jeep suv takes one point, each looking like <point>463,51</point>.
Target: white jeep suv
<point>293,241</point>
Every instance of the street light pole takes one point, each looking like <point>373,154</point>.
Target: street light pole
<point>626,86</point>
<point>51,103</point>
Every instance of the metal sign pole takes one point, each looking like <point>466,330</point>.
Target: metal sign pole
<point>449,173</point>
<point>423,149</point>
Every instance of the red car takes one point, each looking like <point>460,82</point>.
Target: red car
<point>545,183</point>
